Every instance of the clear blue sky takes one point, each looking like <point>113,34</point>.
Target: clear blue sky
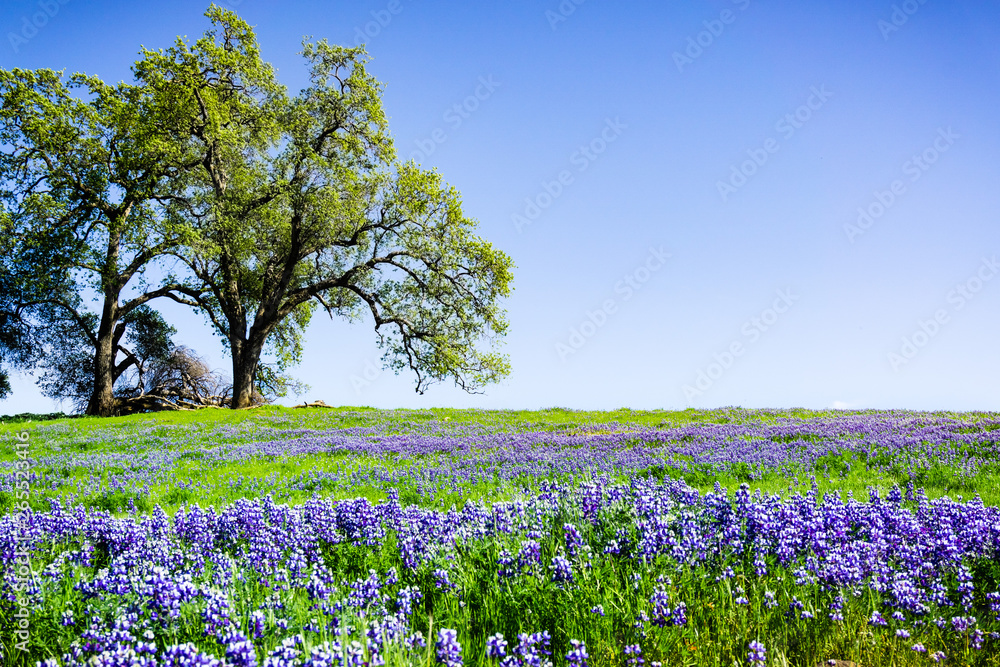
<point>739,138</point>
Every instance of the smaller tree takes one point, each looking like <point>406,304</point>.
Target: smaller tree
<point>66,350</point>
<point>26,278</point>
<point>85,169</point>
<point>15,347</point>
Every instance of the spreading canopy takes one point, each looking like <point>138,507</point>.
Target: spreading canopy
<point>302,204</point>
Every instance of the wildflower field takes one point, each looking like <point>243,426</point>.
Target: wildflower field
<point>363,537</point>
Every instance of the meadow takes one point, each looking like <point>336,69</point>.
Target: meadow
<point>355,536</point>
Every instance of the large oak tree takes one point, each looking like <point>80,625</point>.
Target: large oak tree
<point>302,204</point>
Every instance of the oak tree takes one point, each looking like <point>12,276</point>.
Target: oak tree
<point>303,205</point>
<point>86,170</point>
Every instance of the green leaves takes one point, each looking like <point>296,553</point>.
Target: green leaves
<point>87,168</point>
<point>299,202</point>
<point>275,204</point>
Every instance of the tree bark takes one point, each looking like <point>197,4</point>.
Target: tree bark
<point>246,356</point>
<point>102,400</point>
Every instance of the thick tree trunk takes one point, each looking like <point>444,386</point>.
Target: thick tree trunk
<point>246,356</point>
<point>102,400</point>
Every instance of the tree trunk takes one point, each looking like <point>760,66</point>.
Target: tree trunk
<point>102,400</point>
<point>246,356</point>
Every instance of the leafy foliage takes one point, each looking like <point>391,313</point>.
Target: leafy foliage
<point>275,204</point>
<point>86,167</point>
<point>302,204</point>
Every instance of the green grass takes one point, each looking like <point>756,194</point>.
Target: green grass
<point>718,628</point>
<point>195,432</point>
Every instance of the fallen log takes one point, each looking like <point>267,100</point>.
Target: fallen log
<point>314,404</point>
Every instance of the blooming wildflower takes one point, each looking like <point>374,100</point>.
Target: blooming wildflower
<point>240,651</point>
<point>529,555</point>
<point>634,655</point>
<point>257,623</point>
<point>757,654</point>
<point>599,610</point>
<point>449,651</point>
<point>660,602</point>
<point>507,565</point>
<point>577,656</point>
<point>679,616</point>
<point>994,600</point>
<point>496,646</point>
<point>562,570</point>
<point>573,539</point>
<point>962,623</point>
<point>187,655</point>
<point>919,648</point>
<point>441,580</point>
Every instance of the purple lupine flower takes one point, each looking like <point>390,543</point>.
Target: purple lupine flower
<point>257,623</point>
<point>573,539</point>
<point>756,655</point>
<point>240,651</point>
<point>441,580</point>
<point>577,656</point>
<point>633,654</point>
<point>562,570</point>
<point>529,555</point>
<point>449,651</point>
<point>679,615</point>
<point>496,646</point>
